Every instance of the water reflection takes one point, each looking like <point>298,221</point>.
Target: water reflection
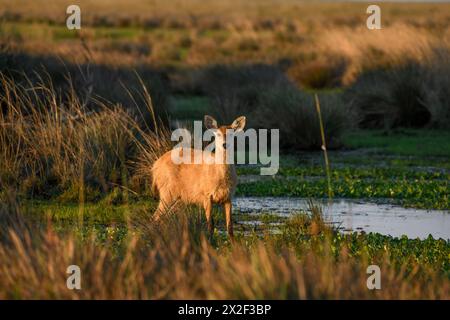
<point>356,215</point>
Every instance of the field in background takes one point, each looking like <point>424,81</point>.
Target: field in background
<point>318,44</point>
<point>396,76</point>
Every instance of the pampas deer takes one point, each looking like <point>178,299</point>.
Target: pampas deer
<point>210,182</point>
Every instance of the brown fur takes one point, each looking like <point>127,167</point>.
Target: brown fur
<point>202,184</point>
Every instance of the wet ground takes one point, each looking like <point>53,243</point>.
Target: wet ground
<point>356,215</point>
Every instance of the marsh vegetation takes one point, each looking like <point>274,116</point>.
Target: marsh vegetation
<point>84,114</point>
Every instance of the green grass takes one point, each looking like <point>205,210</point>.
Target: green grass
<point>415,193</point>
<point>189,107</point>
<point>117,33</point>
<point>93,212</point>
<point>100,212</point>
<point>60,32</point>
<point>355,172</point>
<point>423,143</point>
<point>363,158</point>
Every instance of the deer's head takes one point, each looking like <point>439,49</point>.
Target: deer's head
<point>221,133</point>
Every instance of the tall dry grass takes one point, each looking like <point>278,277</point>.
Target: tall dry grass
<point>365,49</point>
<point>51,143</point>
<point>175,261</point>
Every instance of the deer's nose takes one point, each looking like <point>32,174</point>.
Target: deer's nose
<point>224,145</point>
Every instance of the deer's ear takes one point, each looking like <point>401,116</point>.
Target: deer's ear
<point>210,122</point>
<point>238,124</point>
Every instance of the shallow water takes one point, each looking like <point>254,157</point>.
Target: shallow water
<point>357,215</point>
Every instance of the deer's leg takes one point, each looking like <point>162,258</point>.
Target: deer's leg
<point>227,207</point>
<point>159,211</point>
<point>163,206</point>
<point>208,208</point>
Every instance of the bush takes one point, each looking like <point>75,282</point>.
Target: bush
<point>390,98</point>
<point>237,90</point>
<point>294,113</point>
<point>327,72</point>
<point>270,100</point>
<point>436,84</point>
<point>414,95</point>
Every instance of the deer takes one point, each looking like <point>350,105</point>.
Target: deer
<point>203,184</point>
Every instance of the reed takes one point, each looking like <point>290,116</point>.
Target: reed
<point>324,146</point>
<point>58,145</point>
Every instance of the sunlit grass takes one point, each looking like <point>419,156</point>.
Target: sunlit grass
<point>305,260</point>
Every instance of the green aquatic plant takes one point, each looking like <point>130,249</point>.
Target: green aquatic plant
<point>417,193</point>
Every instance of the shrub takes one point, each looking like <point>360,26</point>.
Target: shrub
<point>436,84</point>
<point>294,113</point>
<point>237,90</point>
<point>412,95</point>
<point>324,73</point>
<point>270,100</point>
<point>390,98</point>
